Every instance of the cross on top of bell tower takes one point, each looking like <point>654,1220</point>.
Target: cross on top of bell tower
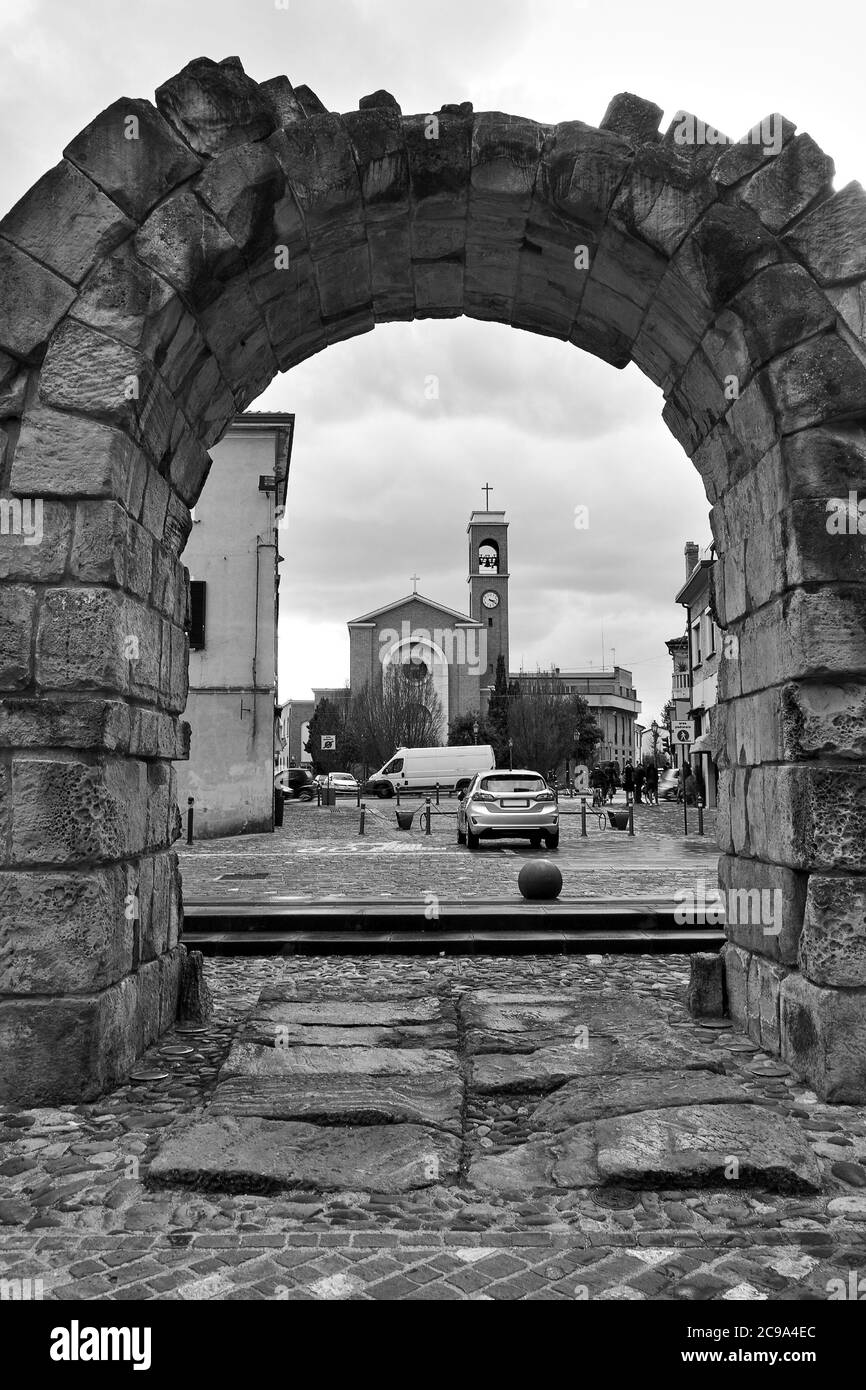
<point>487,489</point>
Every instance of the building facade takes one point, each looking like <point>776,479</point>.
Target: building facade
<point>233,561</point>
<point>703,643</point>
<point>461,650</point>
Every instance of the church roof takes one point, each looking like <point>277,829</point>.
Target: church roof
<point>415,598</point>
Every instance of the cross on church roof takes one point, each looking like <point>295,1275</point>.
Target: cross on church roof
<point>414,578</point>
<point>487,489</point>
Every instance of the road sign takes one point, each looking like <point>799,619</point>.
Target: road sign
<point>581,778</point>
<point>684,731</point>
<point>329,743</point>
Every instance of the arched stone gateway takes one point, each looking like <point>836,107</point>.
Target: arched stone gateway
<point>180,256</point>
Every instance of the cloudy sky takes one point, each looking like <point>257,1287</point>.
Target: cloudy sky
<point>383,479</point>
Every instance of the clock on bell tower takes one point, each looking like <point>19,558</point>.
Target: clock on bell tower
<point>488,585</point>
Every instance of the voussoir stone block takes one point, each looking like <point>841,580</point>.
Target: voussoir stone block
<point>833,945</point>
<point>133,155</point>
<point>65,222</point>
<point>831,239</point>
<point>824,1038</point>
<point>33,303</point>
<point>785,187</point>
<point>822,379</point>
<point>634,118</point>
<point>242,187</point>
<point>215,106</point>
<point>318,160</point>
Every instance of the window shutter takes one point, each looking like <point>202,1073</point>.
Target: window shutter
<point>197,610</point>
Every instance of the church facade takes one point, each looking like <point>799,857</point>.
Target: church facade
<point>460,651</point>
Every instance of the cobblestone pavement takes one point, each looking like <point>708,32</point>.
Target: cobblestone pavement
<point>318,853</point>
<point>79,1212</point>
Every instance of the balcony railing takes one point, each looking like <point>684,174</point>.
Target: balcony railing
<point>681,682</point>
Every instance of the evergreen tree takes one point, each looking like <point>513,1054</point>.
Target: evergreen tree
<point>330,717</point>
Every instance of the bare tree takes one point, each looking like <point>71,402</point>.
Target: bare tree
<point>548,724</point>
<point>404,711</point>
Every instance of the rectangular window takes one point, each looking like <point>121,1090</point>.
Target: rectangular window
<point>197,609</point>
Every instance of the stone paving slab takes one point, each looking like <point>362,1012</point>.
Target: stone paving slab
<point>249,1060</point>
<point>706,1144</point>
<point>546,1068</point>
<point>78,1206</point>
<point>252,1154</point>
<point>592,1097</point>
<point>348,1100</point>
<point>695,1144</point>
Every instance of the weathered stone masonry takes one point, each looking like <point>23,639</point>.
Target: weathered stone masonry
<point>179,256</point>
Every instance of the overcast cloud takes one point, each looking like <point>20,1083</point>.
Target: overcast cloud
<point>383,479</point>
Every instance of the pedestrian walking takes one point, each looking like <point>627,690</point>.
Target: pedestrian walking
<point>687,784</point>
<point>652,785</point>
<point>639,775</point>
<point>628,782</point>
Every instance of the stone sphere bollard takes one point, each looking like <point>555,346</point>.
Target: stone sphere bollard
<point>540,879</point>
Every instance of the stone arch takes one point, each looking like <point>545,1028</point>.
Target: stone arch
<point>182,254</point>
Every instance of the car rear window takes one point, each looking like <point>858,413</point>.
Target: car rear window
<point>505,786</point>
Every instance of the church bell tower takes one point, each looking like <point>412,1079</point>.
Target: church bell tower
<point>488,585</point>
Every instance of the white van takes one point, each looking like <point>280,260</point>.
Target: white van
<point>422,769</point>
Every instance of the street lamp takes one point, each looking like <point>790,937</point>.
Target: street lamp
<point>475,731</point>
<point>511,755</point>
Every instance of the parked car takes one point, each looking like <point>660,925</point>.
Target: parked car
<point>423,769</point>
<point>669,784</point>
<point>295,784</point>
<point>508,805</point>
<point>343,783</point>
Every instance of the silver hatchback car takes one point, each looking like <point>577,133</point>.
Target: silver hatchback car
<point>508,805</point>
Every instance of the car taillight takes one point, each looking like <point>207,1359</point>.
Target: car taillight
<point>544,796</point>
<point>483,796</point>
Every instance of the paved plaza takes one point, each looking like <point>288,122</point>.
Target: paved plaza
<point>97,1202</point>
<point>319,854</point>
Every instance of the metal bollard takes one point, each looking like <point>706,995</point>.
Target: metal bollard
<point>363,806</point>
<point>631,819</point>
<point>700,818</point>
<point>685,812</point>
<point>398,796</point>
<point>583,817</point>
<point>437,793</point>
<point>318,793</point>
<point>190,802</point>
<point>429,817</point>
